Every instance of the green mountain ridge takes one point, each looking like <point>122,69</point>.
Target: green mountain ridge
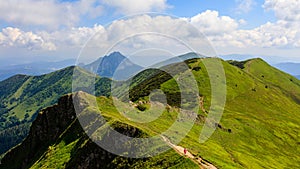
<point>259,127</point>
<point>22,97</point>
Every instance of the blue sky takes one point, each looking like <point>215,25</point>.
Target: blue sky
<point>256,16</point>
<point>32,30</point>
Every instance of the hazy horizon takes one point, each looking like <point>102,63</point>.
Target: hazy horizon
<point>60,31</point>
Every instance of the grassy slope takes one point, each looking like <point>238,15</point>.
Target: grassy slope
<point>262,112</point>
<point>73,142</point>
<point>264,121</point>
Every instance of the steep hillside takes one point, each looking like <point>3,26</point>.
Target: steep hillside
<point>56,140</point>
<point>259,127</point>
<point>22,97</point>
<point>274,77</point>
<point>260,123</point>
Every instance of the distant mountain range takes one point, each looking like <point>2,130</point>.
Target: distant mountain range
<point>178,59</point>
<point>237,57</point>
<point>119,67</point>
<point>114,65</point>
<point>34,68</point>
<point>289,67</point>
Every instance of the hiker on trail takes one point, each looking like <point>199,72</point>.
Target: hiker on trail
<point>184,151</point>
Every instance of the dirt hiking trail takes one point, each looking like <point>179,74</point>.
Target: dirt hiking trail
<point>180,150</point>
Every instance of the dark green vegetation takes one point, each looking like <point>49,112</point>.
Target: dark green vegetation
<point>259,128</point>
<point>147,81</point>
<point>22,97</point>
<point>237,63</point>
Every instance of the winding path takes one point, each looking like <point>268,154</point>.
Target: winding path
<point>180,150</point>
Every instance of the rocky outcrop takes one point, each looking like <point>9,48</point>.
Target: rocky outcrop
<point>60,122</point>
<point>45,130</point>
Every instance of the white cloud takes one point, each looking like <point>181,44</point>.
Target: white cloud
<point>137,6</point>
<point>287,10</point>
<point>269,35</point>
<point>211,23</point>
<point>54,13</point>
<point>143,32</point>
<point>48,13</point>
<point>43,40</point>
<point>245,6</point>
<point>222,31</point>
<point>145,23</point>
<point>284,33</point>
<point>14,37</point>
<point>76,36</point>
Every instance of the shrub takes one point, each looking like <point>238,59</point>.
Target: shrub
<point>141,107</point>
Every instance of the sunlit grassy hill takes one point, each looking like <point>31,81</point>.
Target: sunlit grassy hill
<point>259,127</point>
